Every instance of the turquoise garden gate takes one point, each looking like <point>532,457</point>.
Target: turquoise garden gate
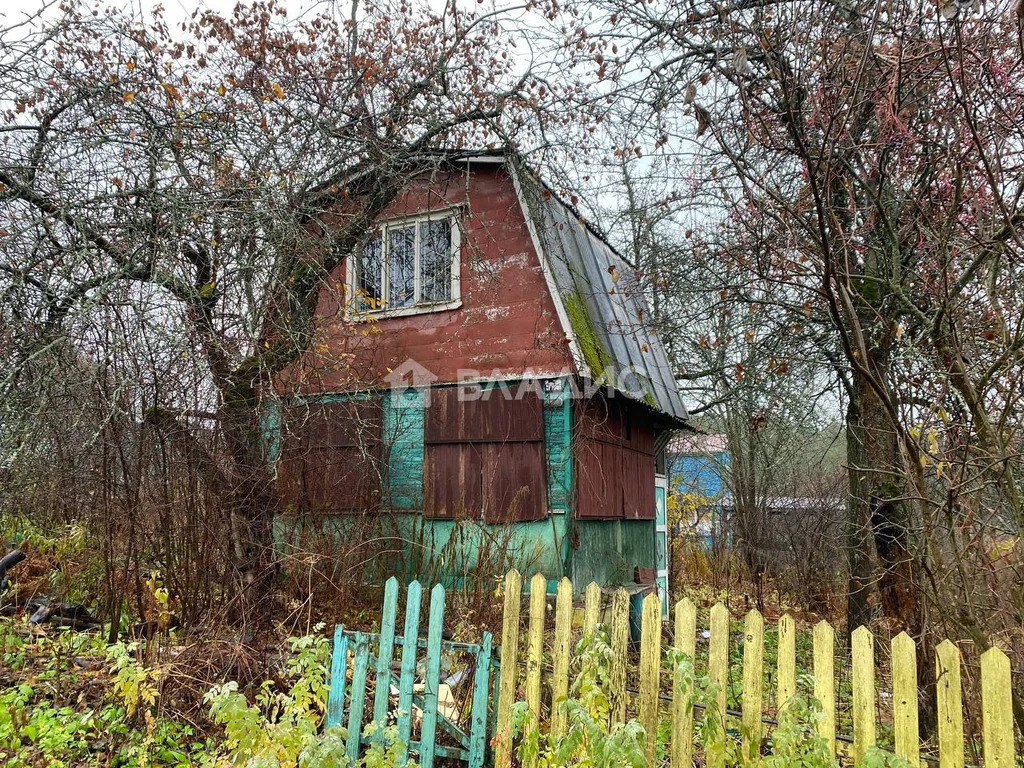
<point>417,687</point>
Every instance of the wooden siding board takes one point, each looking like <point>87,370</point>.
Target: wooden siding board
<point>403,435</point>
<point>595,488</point>
<point>558,446</point>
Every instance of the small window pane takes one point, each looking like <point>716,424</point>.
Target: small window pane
<point>436,260</point>
<point>369,270</point>
<point>402,265</point>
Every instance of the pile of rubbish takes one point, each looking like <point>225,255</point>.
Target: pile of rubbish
<point>42,610</point>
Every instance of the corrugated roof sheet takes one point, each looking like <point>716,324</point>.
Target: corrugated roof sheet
<point>607,308</point>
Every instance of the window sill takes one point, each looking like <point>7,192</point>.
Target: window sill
<point>418,309</point>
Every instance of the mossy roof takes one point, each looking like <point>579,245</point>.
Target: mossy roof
<point>604,303</point>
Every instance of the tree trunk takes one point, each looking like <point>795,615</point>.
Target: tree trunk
<point>879,517</point>
<point>859,540</point>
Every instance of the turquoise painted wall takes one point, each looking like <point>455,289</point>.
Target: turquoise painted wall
<point>606,551</point>
<point>610,549</point>
<point>558,443</point>
<point>403,436</point>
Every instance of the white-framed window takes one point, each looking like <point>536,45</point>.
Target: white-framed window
<point>408,265</point>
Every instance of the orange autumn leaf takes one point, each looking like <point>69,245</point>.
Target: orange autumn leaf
<point>171,91</point>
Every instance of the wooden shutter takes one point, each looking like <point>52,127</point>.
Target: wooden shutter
<point>488,418</point>
<point>452,481</point>
<point>598,485</point>
<point>615,460</point>
<point>484,453</point>
<point>637,484</point>
<point>330,458</point>
<point>515,482</point>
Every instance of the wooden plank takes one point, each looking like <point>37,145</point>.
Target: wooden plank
<point>650,669</point>
<point>535,642</point>
<point>682,711</point>
<point>904,698</point>
<point>863,692</point>
<point>509,659</point>
<point>718,669</point>
<point>950,705</point>
<point>592,611</point>
<point>478,713</point>
<point>385,651</point>
<point>753,671</point>
<point>786,677</point>
<point>360,663</point>
<point>428,729</point>
<point>996,709</point>
<point>408,677</point>
<point>620,647</point>
<point>339,664</point>
<point>825,683</point>
<point>560,655</point>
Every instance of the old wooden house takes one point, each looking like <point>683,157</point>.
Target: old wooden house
<point>486,378</point>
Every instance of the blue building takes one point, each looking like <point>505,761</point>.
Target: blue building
<point>696,464</point>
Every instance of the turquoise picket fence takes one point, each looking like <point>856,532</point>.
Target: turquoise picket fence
<point>363,663</point>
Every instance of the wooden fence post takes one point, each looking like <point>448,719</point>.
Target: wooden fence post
<point>408,677</point>
<point>863,692</point>
<point>753,671</point>
<point>718,668</point>
<point>339,663</point>
<point>996,709</point>
<point>650,669</point>
<point>385,651</point>
<point>825,683</point>
<point>786,677</point>
<point>481,701</point>
<point>509,659</point>
<point>619,643</point>
<point>360,663</point>
<point>904,698</point>
<point>592,609</point>
<point>535,642</point>
<point>560,655</point>
<point>432,677</point>
<point>950,706</point>
<point>682,711</point>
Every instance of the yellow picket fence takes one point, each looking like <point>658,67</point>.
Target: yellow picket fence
<point>997,719</point>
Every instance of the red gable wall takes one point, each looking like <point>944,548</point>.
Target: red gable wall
<point>507,320</point>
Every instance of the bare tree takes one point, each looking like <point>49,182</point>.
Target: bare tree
<point>203,184</point>
<point>868,155</point>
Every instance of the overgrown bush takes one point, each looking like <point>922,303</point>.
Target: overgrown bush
<point>70,700</point>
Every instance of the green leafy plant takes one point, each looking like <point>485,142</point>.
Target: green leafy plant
<point>133,682</point>
<point>282,729</point>
<point>590,740</point>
